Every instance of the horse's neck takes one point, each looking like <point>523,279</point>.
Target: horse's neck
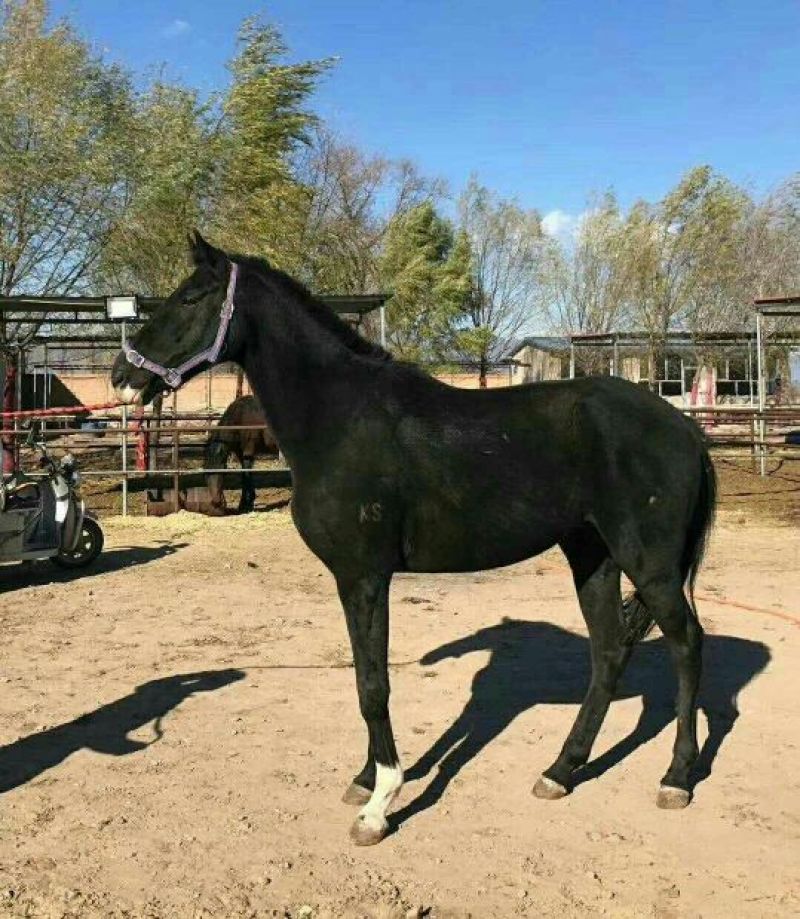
<point>291,364</point>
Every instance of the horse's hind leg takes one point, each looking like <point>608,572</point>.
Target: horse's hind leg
<point>597,580</point>
<point>665,599</point>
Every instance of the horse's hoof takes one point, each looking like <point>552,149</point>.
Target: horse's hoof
<point>356,794</point>
<point>548,790</point>
<point>364,833</point>
<point>672,799</point>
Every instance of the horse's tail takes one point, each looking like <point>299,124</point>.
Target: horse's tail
<point>636,618</point>
<point>700,526</point>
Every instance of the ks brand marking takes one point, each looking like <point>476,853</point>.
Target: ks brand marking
<point>370,513</point>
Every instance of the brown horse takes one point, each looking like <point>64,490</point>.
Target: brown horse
<point>246,445</point>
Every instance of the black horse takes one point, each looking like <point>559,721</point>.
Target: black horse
<point>254,438</point>
<point>394,471</point>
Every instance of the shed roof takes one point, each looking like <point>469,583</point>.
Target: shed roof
<point>91,312</point>
<point>551,343</point>
<point>778,306</point>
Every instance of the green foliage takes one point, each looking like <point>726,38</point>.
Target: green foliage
<point>685,253</point>
<point>428,276</point>
<point>63,151</point>
<point>260,207</point>
<point>225,165</point>
<point>167,191</point>
<point>100,183</point>
<point>587,281</point>
<point>506,246</point>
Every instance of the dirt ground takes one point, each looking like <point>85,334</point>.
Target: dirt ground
<point>177,729</point>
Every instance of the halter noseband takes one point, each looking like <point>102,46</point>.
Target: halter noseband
<point>173,376</point>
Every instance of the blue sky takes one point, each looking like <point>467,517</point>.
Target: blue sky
<point>545,101</point>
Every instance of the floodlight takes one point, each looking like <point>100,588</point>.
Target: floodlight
<point>121,308</point>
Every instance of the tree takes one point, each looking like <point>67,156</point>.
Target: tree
<point>353,198</point>
<point>259,206</point>
<point>167,191</point>
<point>684,257</point>
<point>506,250</point>
<point>769,244</point>
<point>63,156</point>
<point>587,283</point>
<point>428,278</point>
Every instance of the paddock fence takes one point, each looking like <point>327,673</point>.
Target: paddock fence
<point>130,462</point>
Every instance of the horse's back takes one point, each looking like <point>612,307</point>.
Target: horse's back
<point>494,477</point>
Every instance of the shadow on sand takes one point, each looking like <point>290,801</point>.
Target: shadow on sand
<point>36,573</point>
<point>535,663</point>
<point>105,730</point>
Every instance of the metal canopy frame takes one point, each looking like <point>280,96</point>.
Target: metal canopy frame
<point>770,308</point>
<point>91,311</point>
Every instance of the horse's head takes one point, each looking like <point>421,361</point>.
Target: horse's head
<point>184,326</point>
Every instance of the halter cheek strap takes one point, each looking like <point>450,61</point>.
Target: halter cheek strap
<point>173,376</point>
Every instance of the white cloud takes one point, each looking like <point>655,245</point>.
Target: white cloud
<point>175,28</point>
<point>559,223</point>
<point>564,226</point>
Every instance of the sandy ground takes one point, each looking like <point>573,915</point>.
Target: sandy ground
<point>178,727</point>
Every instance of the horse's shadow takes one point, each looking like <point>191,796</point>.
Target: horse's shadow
<point>538,663</point>
<point>106,729</point>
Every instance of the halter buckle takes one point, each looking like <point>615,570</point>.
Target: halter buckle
<point>135,358</point>
<point>172,378</point>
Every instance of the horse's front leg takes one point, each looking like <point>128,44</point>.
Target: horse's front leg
<point>248,499</point>
<point>366,606</point>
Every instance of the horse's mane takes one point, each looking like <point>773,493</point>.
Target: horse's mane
<point>320,312</point>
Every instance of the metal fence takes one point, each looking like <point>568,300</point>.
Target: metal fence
<point>166,454</point>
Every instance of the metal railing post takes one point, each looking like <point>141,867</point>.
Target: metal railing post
<point>124,443</point>
<point>762,397</point>
<point>176,451</point>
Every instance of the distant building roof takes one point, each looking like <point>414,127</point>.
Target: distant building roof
<point>551,343</point>
<point>778,306</point>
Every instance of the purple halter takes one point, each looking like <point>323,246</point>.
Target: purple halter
<point>173,376</point>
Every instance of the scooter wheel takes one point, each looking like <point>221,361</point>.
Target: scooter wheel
<point>89,546</point>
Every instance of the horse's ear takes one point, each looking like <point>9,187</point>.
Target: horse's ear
<point>203,253</point>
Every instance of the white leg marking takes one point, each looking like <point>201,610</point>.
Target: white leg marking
<point>388,782</point>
